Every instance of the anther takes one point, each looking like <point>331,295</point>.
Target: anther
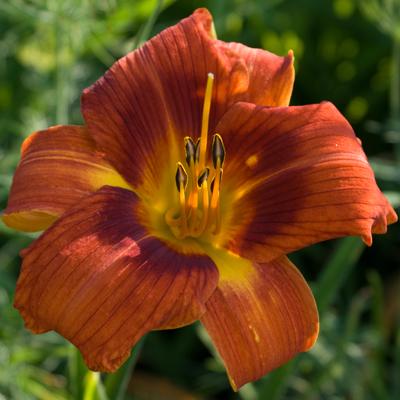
<point>181,177</point>
<point>197,152</point>
<point>203,176</point>
<point>190,150</point>
<point>218,151</point>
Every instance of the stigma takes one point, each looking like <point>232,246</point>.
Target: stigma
<point>199,209</point>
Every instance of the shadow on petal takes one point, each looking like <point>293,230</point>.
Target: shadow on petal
<point>102,281</point>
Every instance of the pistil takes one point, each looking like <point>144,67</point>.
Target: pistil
<point>206,117</point>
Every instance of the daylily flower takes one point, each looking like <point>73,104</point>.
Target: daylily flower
<point>142,233</point>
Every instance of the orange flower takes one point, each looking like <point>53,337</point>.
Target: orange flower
<point>143,234</point>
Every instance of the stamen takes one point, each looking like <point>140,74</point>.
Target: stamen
<point>197,155</point>
<point>218,157</point>
<point>206,116</point>
<point>218,225</point>
<point>218,150</point>
<point>169,217</point>
<point>203,176</point>
<point>195,158</point>
<point>214,197</point>
<point>181,177</point>
<point>213,181</point>
<point>202,181</point>
<point>194,202</point>
<point>190,150</point>
<point>181,180</point>
<point>184,231</point>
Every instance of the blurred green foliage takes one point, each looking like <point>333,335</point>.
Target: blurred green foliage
<point>347,52</point>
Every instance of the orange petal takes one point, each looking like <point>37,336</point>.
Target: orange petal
<point>153,98</point>
<point>295,176</point>
<point>59,167</point>
<point>271,77</point>
<point>259,317</point>
<point>99,279</point>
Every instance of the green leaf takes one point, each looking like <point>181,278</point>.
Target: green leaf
<point>116,383</point>
<point>145,30</point>
<point>337,270</point>
<point>274,383</point>
<point>396,368</point>
<point>94,388</point>
<point>378,383</point>
<point>77,372</point>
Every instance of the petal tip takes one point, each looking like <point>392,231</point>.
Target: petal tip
<point>4,220</point>
<point>367,239</point>
<point>109,363</point>
<point>30,322</point>
<point>202,10</point>
<point>392,217</point>
<point>233,385</point>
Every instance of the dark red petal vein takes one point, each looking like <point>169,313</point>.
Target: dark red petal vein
<point>99,279</point>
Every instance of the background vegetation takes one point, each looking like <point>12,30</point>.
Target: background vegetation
<point>347,52</point>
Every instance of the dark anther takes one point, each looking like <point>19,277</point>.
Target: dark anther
<point>181,176</point>
<point>218,150</point>
<point>203,176</point>
<point>212,183</point>
<point>190,149</point>
<point>197,158</point>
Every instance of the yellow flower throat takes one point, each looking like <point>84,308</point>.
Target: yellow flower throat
<point>196,219</point>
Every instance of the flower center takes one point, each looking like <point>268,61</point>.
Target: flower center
<point>199,214</point>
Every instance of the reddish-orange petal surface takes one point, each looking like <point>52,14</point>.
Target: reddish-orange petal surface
<point>259,317</point>
<point>59,167</point>
<point>294,176</point>
<point>153,98</point>
<point>271,77</point>
<point>99,279</point>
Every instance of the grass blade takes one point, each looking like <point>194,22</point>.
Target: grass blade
<point>337,270</point>
<point>145,30</point>
<point>94,388</point>
<point>77,373</point>
<point>116,383</point>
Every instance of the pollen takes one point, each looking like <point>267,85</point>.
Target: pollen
<point>199,210</point>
